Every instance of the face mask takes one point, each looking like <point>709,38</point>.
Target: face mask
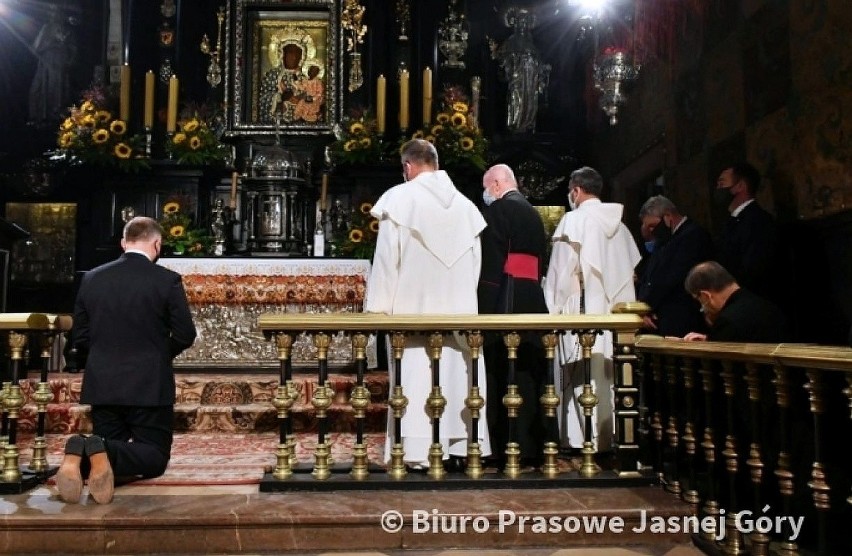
<point>487,197</point>
<point>649,246</point>
<point>662,234</point>
<point>722,196</point>
<point>572,202</point>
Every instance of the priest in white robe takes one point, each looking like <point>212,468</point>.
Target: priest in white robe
<point>591,270</point>
<point>427,261</point>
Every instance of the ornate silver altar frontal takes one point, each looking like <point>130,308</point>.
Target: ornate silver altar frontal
<point>252,26</point>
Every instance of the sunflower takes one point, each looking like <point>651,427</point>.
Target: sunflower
<point>430,138</point>
<point>365,142</point>
<point>443,117</point>
<point>374,226</point>
<point>356,128</point>
<point>190,126</point>
<point>459,119</point>
<point>100,136</point>
<point>365,208</point>
<point>122,151</point>
<point>177,231</point>
<point>179,138</point>
<point>466,143</point>
<point>350,145</point>
<point>355,236</point>
<point>88,121</point>
<point>436,130</point>
<point>67,125</point>
<point>194,143</point>
<point>418,134</point>
<point>65,140</point>
<point>102,116</point>
<point>118,127</point>
<point>87,106</point>
<point>171,207</point>
<point>460,107</point>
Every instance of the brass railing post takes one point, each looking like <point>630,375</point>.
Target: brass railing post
<point>759,540</point>
<point>360,400</point>
<point>711,507</point>
<point>783,470</point>
<point>474,403</point>
<point>42,397</point>
<point>818,484</point>
<point>627,416</point>
<point>656,425</point>
<point>690,441</point>
<point>672,483</point>
<point>588,401</point>
<point>513,401</point>
<point>397,404</point>
<point>435,405</point>
<point>733,537</point>
<point>549,401</point>
<point>12,403</point>
<point>321,401</point>
<point>283,401</point>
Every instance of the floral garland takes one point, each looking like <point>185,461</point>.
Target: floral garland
<point>91,135</point>
<point>456,136</point>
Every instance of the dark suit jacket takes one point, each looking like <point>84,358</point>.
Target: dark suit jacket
<point>661,284</point>
<point>132,319</point>
<point>747,317</point>
<point>513,226</point>
<point>749,249</point>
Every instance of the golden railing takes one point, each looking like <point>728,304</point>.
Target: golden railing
<point>20,328</point>
<point>282,328</point>
<point>751,431</point>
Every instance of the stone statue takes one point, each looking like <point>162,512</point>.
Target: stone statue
<point>218,227</point>
<point>56,49</point>
<point>523,70</point>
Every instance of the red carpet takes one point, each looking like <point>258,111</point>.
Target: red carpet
<point>225,458</point>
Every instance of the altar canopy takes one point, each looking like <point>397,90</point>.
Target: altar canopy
<point>226,295</point>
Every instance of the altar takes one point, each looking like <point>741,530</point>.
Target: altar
<point>226,295</point>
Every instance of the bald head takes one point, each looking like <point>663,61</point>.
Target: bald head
<point>498,180</point>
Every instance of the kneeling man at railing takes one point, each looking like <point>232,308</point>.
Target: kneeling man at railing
<point>427,260</point>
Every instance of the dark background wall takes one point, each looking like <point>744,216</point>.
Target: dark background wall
<point>721,80</point>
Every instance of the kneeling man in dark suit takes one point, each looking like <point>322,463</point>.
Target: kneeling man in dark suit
<point>131,319</point>
<point>734,313</point>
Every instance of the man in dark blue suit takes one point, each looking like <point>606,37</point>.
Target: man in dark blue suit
<point>749,243</point>
<point>680,244</point>
<point>131,319</point>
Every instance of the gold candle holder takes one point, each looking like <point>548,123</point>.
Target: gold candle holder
<point>12,403</point>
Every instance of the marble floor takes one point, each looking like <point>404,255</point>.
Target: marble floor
<point>242,520</point>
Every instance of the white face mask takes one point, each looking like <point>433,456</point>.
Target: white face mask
<point>487,197</point>
<point>572,201</point>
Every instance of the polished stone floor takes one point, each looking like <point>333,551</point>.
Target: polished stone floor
<point>242,520</point>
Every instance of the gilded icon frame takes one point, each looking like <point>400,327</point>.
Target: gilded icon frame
<point>259,98</point>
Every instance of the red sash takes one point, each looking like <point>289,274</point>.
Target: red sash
<point>521,265</point>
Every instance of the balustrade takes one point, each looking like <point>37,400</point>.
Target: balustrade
<point>20,327</point>
<point>433,331</point>
<point>776,429</point>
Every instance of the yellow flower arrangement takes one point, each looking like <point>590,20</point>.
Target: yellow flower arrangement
<point>195,143</point>
<point>358,241</point>
<point>91,135</point>
<point>357,140</point>
<point>178,235</point>
<point>458,140</point>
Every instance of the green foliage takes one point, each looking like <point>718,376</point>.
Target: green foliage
<point>178,234</point>
<point>195,143</point>
<point>358,241</point>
